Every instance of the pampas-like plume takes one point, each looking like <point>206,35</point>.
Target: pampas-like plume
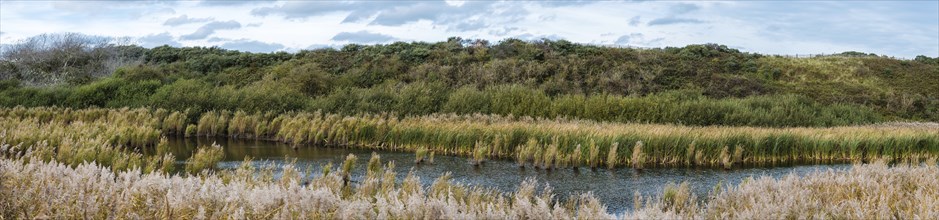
<point>594,155</point>
<point>611,158</point>
<point>576,156</point>
<point>347,166</point>
<point>638,158</point>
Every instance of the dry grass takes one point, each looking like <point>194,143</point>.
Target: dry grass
<point>50,190</point>
<point>869,191</point>
<point>663,145</point>
<point>36,189</point>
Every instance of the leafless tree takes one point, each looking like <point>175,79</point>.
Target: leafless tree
<point>50,59</point>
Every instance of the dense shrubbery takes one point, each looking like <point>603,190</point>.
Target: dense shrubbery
<point>698,84</point>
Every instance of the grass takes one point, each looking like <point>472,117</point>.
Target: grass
<point>576,155</point>
<point>594,156</point>
<point>347,166</point>
<point>638,159</point>
<point>420,154</point>
<point>32,188</point>
<point>611,159</point>
<point>532,139</point>
<point>113,138</point>
<point>868,191</point>
<point>374,165</point>
<point>37,189</point>
<point>479,154</point>
<point>205,158</point>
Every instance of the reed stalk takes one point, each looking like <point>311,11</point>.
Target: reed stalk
<point>594,155</point>
<point>638,158</point>
<point>611,158</point>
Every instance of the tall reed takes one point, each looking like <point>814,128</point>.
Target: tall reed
<point>479,154</point>
<point>673,145</point>
<point>347,166</point>
<point>205,158</point>
<point>638,158</point>
<point>576,157</point>
<point>420,154</point>
<point>374,166</point>
<point>611,158</point>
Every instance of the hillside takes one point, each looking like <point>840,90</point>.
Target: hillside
<point>696,85</point>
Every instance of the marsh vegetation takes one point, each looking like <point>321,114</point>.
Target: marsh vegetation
<point>542,142</point>
<point>85,127</point>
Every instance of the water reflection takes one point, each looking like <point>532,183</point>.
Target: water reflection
<point>614,187</point>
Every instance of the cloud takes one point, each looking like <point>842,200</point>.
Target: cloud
<point>323,46</point>
<point>364,37</point>
<point>387,13</point>
<point>231,2</point>
<point>156,40</point>
<point>306,9</point>
<point>252,46</point>
<point>503,31</point>
<point>673,20</point>
<point>626,39</point>
<point>412,13</point>
<point>682,8</point>
<point>564,3</point>
<point>902,28</point>
<point>638,39</point>
<point>532,37</point>
<point>468,26</point>
<point>210,28</point>
<point>183,19</point>
<point>634,21</point>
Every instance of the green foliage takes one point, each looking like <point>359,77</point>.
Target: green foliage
<point>704,84</point>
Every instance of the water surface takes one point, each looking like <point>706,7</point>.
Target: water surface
<point>615,187</point>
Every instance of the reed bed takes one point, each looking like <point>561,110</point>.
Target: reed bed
<point>868,191</point>
<point>35,189</point>
<point>49,190</point>
<point>114,140</point>
<point>531,140</point>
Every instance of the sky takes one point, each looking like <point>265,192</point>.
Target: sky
<point>894,28</point>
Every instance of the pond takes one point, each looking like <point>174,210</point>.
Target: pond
<point>615,188</point>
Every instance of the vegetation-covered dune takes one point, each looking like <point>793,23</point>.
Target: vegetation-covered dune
<point>693,85</point>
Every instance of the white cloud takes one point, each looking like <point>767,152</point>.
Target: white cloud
<point>155,40</point>
<point>184,19</point>
<point>362,37</point>
<point>210,28</point>
<point>894,28</point>
<point>252,46</point>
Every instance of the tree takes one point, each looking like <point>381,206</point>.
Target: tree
<point>74,58</point>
